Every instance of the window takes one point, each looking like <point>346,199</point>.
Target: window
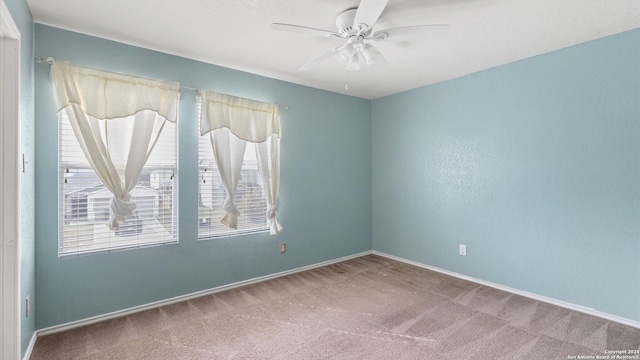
<point>85,202</point>
<point>239,165</point>
<point>250,199</point>
<point>117,157</point>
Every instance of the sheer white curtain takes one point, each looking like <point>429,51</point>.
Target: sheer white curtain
<point>231,122</point>
<point>268,155</point>
<point>117,120</point>
<point>228,151</point>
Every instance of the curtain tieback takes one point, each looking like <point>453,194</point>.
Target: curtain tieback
<point>272,212</point>
<point>121,207</point>
<point>230,219</point>
<point>274,226</point>
<point>230,207</point>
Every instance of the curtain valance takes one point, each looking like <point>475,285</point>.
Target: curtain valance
<point>250,120</point>
<point>107,95</point>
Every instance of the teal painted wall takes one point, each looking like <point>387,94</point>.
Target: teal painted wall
<point>325,201</point>
<point>534,165</point>
<point>22,17</point>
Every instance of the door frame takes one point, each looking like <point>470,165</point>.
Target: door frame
<point>10,328</point>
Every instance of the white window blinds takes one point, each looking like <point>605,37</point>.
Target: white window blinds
<point>249,199</point>
<point>84,201</point>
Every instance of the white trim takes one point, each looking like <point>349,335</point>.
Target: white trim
<point>542,298</point>
<point>153,305</point>
<point>32,343</point>
<point>10,315</point>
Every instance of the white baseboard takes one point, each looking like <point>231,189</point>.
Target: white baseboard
<point>153,305</point>
<point>545,299</point>
<point>32,343</point>
<point>125,312</point>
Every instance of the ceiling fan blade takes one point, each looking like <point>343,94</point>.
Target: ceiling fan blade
<point>303,30</point>
<point>320,58</point>
<point>409,33</point>
<point>368,12</point>
<point>380,59</point>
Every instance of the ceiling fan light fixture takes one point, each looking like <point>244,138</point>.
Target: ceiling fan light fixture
<point>369,53</point>
<point>354,63</point>
<point>344,57</point>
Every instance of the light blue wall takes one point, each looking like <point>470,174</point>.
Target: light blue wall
<point>22,16</point>
<point>325,196</point>
<point>534,165</point>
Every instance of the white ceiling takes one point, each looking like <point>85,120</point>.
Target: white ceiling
<point>236,34</point>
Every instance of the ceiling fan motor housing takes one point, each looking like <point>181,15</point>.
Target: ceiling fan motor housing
<point>344,22</point>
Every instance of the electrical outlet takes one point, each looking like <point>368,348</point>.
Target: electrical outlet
<point>283,248</point>
<point>463,249</point>
<point>27,305</point>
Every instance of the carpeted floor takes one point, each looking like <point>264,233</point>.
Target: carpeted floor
<point>366,308</point>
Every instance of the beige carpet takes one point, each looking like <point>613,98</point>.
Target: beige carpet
<point>365,308</point>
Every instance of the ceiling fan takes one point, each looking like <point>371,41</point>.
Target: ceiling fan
<point>355,25</point>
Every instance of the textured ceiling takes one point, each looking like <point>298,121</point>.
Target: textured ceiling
<point>236,34</point>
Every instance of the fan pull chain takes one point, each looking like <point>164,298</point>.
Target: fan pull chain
<point>346,80</point>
